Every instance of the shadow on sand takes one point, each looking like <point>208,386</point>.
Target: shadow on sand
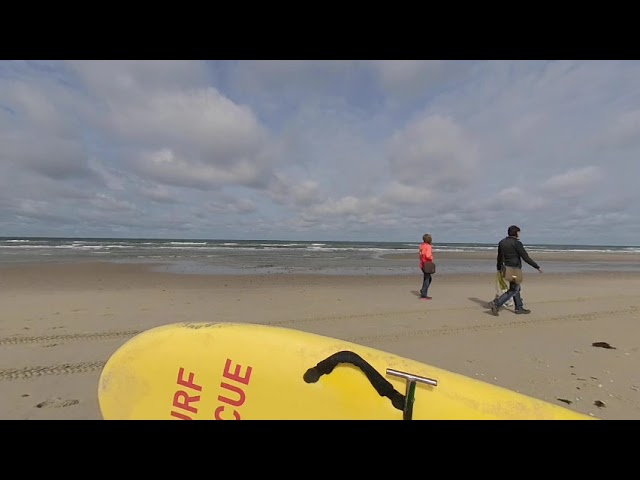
<point>482,303</point>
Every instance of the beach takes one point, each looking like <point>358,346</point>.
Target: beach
<point>60,322</point>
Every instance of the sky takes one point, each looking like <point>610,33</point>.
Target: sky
<point>322,150</point>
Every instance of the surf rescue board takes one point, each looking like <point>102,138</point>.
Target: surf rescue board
<point>226,371</point>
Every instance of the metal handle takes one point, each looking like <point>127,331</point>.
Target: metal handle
<point>411,389</point>
<point>411,377</point>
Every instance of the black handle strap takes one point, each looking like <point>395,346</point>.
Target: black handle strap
<point>382,386</point>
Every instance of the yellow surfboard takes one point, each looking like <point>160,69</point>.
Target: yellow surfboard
<point>227,371</point>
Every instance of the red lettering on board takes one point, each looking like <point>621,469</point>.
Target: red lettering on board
<point>236,376</point>
<point>190,383</point>
<point>181,416</point>
<point>182,399</point>
<point>220,409</point>
<point>233,388</point>
<point>186,401</point>
<point>237,389</point>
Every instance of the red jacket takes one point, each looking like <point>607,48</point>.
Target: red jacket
<point>425,253</point>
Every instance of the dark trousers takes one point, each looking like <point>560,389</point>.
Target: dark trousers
<point>426,281</point>
<point>513,292</point>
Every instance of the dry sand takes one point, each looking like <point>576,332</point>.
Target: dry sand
<point>60,323</point>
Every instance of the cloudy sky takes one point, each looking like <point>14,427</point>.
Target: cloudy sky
<point>321,150</point>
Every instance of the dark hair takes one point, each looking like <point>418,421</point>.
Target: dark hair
<point>513,230</point>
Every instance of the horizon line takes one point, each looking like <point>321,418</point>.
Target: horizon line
<point>298,240</point>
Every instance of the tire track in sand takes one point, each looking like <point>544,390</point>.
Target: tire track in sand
<point>292,322</point>
<point>580,317</point>
<point>17,340</point>
<point>11,374</point>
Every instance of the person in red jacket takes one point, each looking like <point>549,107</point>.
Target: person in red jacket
<point>426,255</point>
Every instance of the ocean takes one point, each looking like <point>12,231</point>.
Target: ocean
<point>199,256</point>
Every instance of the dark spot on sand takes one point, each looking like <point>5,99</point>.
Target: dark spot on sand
<point>25,395</point>
<point>568,402</point>
<point>603,345</point>
<point>599,404</point>
<point>57,403</point>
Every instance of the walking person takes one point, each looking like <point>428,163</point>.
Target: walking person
<point>426,265</point>
<point>511,252</point>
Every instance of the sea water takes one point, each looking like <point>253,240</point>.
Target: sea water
<point>281,256</point>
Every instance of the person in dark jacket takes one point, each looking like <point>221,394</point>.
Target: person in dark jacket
<point>511,252</point>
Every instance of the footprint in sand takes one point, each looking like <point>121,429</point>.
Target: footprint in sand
<point>57,403</point>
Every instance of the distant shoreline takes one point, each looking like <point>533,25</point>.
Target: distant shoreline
<point>330,260</point>
<point>537,256</point>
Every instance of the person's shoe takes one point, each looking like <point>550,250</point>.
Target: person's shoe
<point>494,308</point>
<point>522,311</point>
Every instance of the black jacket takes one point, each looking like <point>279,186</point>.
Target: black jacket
<point>511,252</point>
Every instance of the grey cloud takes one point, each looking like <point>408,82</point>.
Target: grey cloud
<point>106,202</point>
<point>292,77</point>
<point>599,220</point>
<point>622,132</point>
<point>121,81</point>
<point>360,208</point>
<point>110,177</point>
<point>433,151</point>
<point>573,182</point>
<point>515,198</point>
<point>166,166</point>
<point>35,131</point>
<point>51,156</point>
<point>33,105</point>
<point>284,190</point>
<point>408,79</point>
<point>38,210</point>
<point>158,194</point>
<point>232,205</point>
<point>304,193</point>
<point>401,194</point>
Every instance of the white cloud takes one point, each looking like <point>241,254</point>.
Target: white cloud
<point>203,121</point>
